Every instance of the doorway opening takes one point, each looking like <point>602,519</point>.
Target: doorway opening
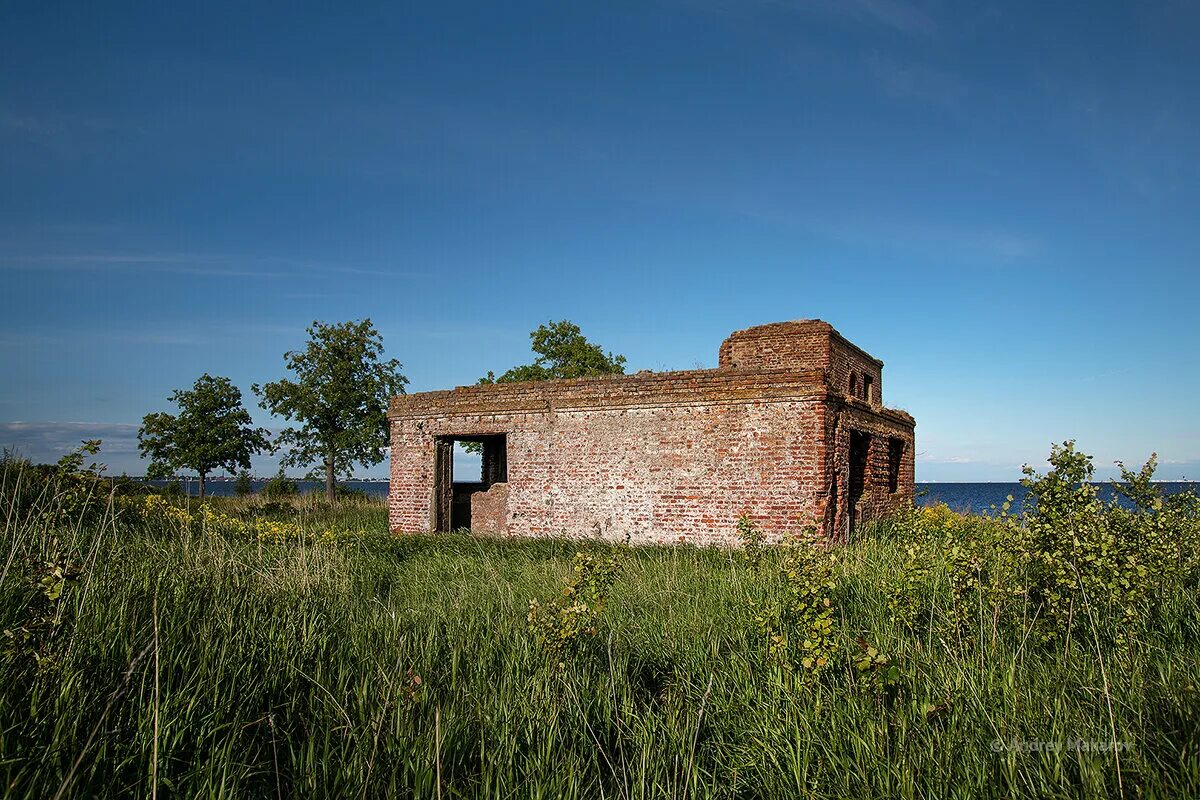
<point>831,507</point>
<point>860,447</point>
<point>895,457</point>
<point>452,497</point>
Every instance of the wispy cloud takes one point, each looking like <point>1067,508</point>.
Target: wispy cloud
<point>900,16</point>
<point>42,126</point>
<point>175,263</point>
<point>902,232</point>
<point>910,80</point>
<point>987,244</point>
<point>49,441</point>
<point>64,137</point>
<point>189,264</point>
<point>1142,136</point>
<point>897,15</point>
<point>929,458</point>
<point>206,335</point>
<point>26,123</point>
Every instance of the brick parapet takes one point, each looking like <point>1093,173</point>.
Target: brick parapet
<point>637,390</point>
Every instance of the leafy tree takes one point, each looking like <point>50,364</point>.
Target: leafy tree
<point>339,399</point>
<point>213,430</point>
<point>562,352</point>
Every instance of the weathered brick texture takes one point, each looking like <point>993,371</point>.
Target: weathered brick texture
<point>489,509</point>
<point>669,456</point>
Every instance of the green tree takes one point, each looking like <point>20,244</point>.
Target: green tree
<point>212,430</point>
<point>562,352</point>
<point>339,399</point>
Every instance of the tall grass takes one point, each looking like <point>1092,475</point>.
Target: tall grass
<point>183,661</point>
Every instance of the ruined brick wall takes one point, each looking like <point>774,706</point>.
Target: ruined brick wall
<point>801,345</point>
<point>646,458</point>
<point>847,415</point>
<point>489,510</point>
<point>806,345</point>
<point>854,373</point>
<point>655,457</point>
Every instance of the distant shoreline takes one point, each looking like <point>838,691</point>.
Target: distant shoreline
<point>262,479</point>
<point>971,496</point>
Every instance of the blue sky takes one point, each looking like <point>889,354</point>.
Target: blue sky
<point>998,200</point>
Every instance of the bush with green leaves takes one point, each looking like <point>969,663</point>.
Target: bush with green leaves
<point>49,580</point>
<point>348,494</point>
<point>560,625</point>
<point>1065,566</point>
<point>74,489</point>
<point>280,487</point>
<point>791,591</point>
<point>1084,558</point>
<point>243,485</point>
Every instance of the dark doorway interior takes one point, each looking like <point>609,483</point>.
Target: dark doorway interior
<point>860,447</point>
<point>895,458</point>
<point>452,498</point>
<point>832,513</point>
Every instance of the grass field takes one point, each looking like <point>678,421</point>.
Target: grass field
<point>298,650</point>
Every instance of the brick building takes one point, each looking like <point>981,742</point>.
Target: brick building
<point>790,427</point>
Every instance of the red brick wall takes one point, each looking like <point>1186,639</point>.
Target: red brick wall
<point>801,345</point>
<point>846,360</point>
<point>489,510</point>
<point>646,474</point>
<point>877,500</point>
<point>804,345</point>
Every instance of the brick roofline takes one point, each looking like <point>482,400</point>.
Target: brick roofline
<point>797,326</point>
<point>639,390</point>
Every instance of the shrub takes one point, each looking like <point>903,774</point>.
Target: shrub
<point>70,491</point>
<point>172,489</point>
<point>243,486</point>
<point>348,494</point>
<point>46,616</point>
<point>791,599</point>
<point>280,486</point>
<point>559,625</point>
<point>1071,564</point>
<point>1083,558</point>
